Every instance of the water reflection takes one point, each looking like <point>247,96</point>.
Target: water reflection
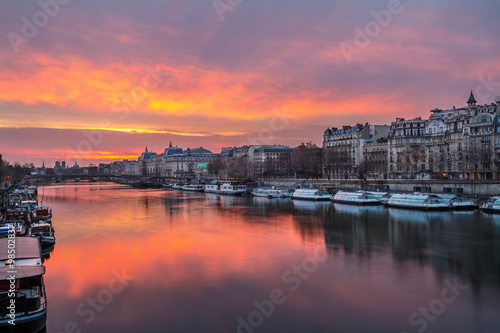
<point>199,262</point>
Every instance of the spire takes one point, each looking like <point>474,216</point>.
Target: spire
<point>146,149</point>
<point>472,100</point>
<point>170,145</point>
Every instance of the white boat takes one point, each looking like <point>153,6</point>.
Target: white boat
<point>195,188</point>
<point>381,196</point>
<point>44,233</point>
<point>492,205</point>
<point>311,194</point>
<point>177,186</point>
<point>418,201</point>
<point>29,291</point>
<point>356,198</point>
<point>270,193</point>
<point>166,185</point>
<point>458,201</point>
<point>231,188</point>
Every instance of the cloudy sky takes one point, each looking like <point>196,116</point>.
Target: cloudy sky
<point>98,80</point>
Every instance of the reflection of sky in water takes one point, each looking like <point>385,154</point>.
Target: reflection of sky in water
<point>200,261</point>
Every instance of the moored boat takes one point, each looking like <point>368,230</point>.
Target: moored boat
<point>356,198</point>
<point>194,188</point>
<point>229,188</point>
<point>177,186</point>
<point>270,193</point>
<point>418,201</point>
<point>43,213</point>
<point>44,233</point>
<point>311,194</point>
<point>26,290</point>
<point>459,202</point>
<point>492,205</point>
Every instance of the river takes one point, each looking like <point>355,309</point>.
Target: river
<point>129,260</point>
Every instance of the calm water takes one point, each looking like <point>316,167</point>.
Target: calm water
<point>129,260</point>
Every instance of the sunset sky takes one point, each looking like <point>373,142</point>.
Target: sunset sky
<point>96,80</point>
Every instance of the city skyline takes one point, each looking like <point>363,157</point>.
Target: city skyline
<point>266,73</point>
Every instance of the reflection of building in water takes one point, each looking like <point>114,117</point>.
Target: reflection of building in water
<point>464,244</point>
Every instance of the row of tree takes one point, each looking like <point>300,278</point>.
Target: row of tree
<point>14,171</point>
<point>306,161</point>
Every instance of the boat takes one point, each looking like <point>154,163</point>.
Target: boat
<point>28,294</point>
<point>381,196</point>
<point>418,201</point>
<point>270,193</point>
<point>177,186</point>
<point>43,213</point>
<point>459,202</point>
<point>356,198</point>
<point>195,188</point>
<point>44,233</point>
<point>311,194</point>
<point>492,205</point>
<point>19,227</point>
<point>230,188</point>
<point>166,185</point>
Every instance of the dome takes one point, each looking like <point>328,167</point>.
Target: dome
<point>328,131</point>
<point>201,166</point>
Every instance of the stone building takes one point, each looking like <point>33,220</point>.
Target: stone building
<point>451,144</point>
<point>480,140</point>
<point>272,160</point>
<point>344,147</point>
<point>375,159</point>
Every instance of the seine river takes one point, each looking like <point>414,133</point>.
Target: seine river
<point>129,260</point>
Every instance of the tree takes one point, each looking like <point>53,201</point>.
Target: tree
<point>307,160</point>
<point>336,162</point>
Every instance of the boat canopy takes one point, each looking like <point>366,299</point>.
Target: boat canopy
<point>26,247</point>
<point>21,272</point>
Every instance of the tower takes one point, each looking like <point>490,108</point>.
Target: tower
<point>472,100</point>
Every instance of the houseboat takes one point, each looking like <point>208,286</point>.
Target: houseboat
<point>29,290</point>
<point>43,213</point>
<point>418,201</point>
<point>270,193</point>
<point>44,233</point>
<point>311,194</point>
<point>356,198</point>
<point>19,227</point>
<point>492,205</point>
<point>459,202</point>
<point>230,188</point>
<point>383,197</point>
<point>194,188</point>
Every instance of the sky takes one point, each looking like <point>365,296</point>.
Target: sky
<point>96,81</point>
